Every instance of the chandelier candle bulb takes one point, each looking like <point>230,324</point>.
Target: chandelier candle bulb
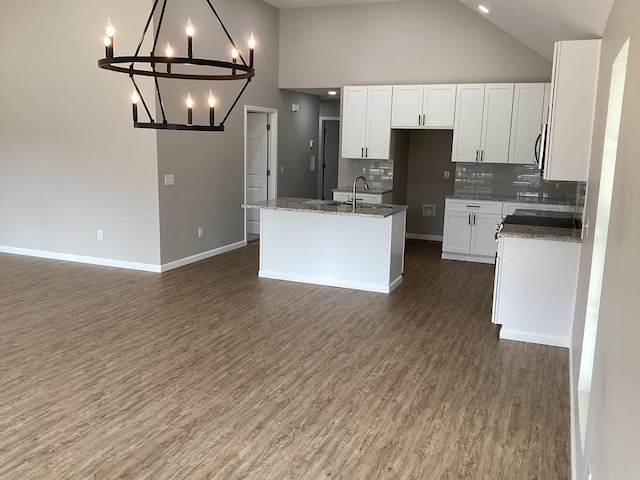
<point>212,104</point>
<point>169,53</point>
<point>190,32</point>
<point>108,39</point>
<point>135,98</point>
<point>234,59</point>
<point>252,45</point>
<point>189,109</point>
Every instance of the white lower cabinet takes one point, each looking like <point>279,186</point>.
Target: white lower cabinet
<point>470,227</point>
<point>469,230</point>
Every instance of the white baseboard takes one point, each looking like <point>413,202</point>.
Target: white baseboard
<point>468,258</point>
<point>107,262</point>
<point>67,257</point>
<point>329,282</point>
<point>202,256</point>
<point>420,236</point>
<point>534,338</point>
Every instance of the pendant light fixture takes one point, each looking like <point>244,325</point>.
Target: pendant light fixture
<point>166,65</point>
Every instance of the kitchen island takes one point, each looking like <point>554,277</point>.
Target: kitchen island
<point>330,243</point>
<point>536,279</point>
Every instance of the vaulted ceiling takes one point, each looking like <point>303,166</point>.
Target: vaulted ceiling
<point>536,23</point>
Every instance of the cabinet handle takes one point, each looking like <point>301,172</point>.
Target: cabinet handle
<point>424,119</point>
<point>362,153</point>
<point>419,120</point>
<point>482,155</point>
<point>469,219</point>
<point>472,206</point>
<point>366,152</point>
<point>477,152</point>
<point>474,218</point>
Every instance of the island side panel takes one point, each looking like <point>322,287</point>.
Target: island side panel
<point>537,284</point>
<point>398,229</point>
<point>336,250</point>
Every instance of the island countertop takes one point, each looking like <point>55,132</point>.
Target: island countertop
<point>330,207</point>
<point>540,232</point>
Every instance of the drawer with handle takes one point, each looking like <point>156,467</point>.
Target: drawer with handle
<point>473,206</point>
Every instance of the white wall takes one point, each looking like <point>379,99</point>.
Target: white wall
<point>418,41</point>
<point>612,437</point>
<point>70,161</point>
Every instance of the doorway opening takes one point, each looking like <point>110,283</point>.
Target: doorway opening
<point>260,163</point>
<point>600,235</point>
<point>329,154</point>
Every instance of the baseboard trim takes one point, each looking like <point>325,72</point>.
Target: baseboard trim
<point>67,257</point>
<point>108,262</point>
<point>468,258</point>
<point>202,256</point>
<point>534,338</point>
<point>420,236</point>
<point>330,282</point>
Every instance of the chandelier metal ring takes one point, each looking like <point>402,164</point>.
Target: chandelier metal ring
<point>114,64</point>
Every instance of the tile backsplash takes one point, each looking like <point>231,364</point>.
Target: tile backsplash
<point>522,181</point>
<point>379,173</point>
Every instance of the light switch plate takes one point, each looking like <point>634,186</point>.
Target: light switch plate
<point>168,180</point>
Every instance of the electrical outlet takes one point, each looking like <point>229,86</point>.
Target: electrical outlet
<point>100,235</point>
<point>585,228</point>
<point>428,210</point>
<point>447,174</point>
<point>200,232</point>
<point>168,180</point>
<point>281,170</point>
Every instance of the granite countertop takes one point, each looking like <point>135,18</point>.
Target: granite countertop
<point>541,233</point>
<point>509,198</point>
<point>375,191</point>
<point>330,207</point>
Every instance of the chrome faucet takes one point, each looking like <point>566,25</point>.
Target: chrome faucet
<point>366,187</point>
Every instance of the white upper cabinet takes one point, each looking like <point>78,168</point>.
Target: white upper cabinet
<point>366,122</point>
<point>527,121</point>
<point>467,128</point>
<point>572,108</point>
<point>423,106</point>
<point>496,122</point>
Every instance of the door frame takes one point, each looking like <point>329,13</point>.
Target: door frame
<point>321,121</point>
<point>272,155</point>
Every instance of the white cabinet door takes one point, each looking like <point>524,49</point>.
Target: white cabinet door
<point>483,234</point>
<point>457,232</point>
<point>439,102</point>
<point>467,129</point>
<point>573,93</point>
<point>407,106</point>
<point>378,128</point>
<point>496,122</point>
<point>354,121</point>
<point>526,122</point>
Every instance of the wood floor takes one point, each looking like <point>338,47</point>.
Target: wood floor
<point>209,372</point>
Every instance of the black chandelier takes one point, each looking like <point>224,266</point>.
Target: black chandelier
<point>161,67</point>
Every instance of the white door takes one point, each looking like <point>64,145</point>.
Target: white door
<point>439,106</point>
<point>457,232</point>
<point>467,130</point>
<point>257,164</point>
<point>483,234</point>
<point>407,106</point>
<point>526,122</point>
<point>354,121</point>
<point>496,122</point>
<point>330,141</point>
<point>378,131</point>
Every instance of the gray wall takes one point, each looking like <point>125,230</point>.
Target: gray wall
<point>330,108</point>
<point>612,437</point>
<point>70,161</point>
<point>209,167</point>
<point>429,157</point>
<point>419,41</point>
